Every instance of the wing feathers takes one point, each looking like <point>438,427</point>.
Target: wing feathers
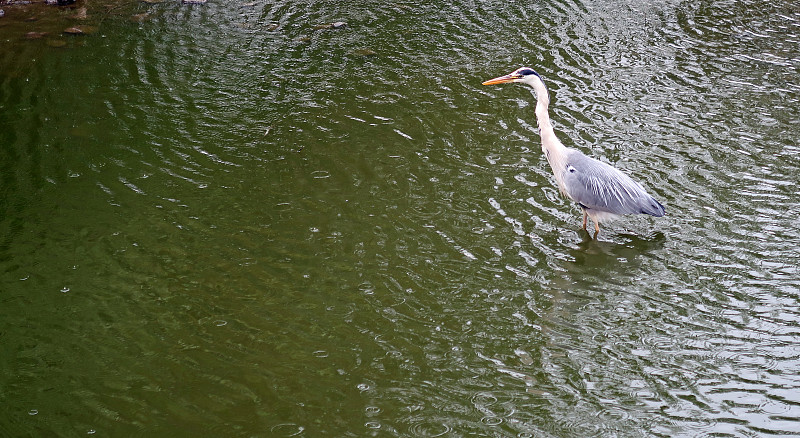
<point>597,186</point>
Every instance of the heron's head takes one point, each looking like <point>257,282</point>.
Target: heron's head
<point>525,75</point>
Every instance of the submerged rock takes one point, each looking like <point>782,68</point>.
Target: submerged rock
<point>140,17</point>
<point>193,2</point>
<point>2,13</point>
<point>334,25</point>
<point>56,43</point>
<point>362,53</point>
<point>273,26</point>
<point>80,30</point>
<point>35,35</point>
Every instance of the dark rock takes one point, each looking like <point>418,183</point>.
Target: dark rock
<point>65,2</point>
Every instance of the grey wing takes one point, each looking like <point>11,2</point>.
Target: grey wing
<point>597,186</point>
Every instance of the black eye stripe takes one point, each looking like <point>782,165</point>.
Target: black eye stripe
<point>527,71</point>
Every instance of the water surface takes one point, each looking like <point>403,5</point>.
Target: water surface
<point>232,220</point>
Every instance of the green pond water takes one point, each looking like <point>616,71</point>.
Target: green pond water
<point>231,219</point>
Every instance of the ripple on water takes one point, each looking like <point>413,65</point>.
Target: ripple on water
<point>287,429</point>
<point>427,427</point>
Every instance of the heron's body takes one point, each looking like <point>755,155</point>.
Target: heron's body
<point>602,191</point>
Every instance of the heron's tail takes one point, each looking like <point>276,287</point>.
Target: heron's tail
<point>653,208</point>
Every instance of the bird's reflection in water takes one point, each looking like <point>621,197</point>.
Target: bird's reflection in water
<point>625,247</point>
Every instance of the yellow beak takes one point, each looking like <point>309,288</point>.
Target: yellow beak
<point>502,79</point>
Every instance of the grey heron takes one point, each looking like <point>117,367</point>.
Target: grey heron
<point>600,190</point>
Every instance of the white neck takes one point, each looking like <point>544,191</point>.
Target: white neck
<point>542,102</point>
<point>554,151</point>
<point>549,140</point>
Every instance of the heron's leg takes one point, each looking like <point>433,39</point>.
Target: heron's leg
<point>585,215</point>
<point>596,228</point>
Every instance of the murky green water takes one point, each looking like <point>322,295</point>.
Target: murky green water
<point>219,220</point>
